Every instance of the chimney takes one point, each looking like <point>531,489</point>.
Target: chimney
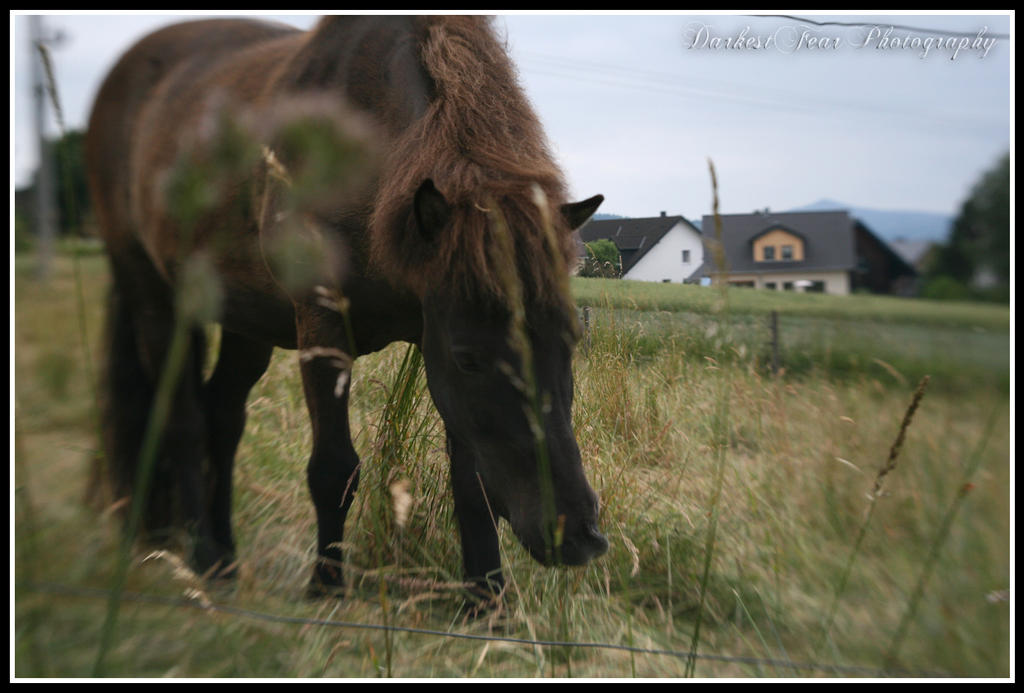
<point>662,214</point>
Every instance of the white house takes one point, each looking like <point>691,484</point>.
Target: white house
<point>653,249</point>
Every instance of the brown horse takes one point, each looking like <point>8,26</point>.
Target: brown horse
<point>457,237</point>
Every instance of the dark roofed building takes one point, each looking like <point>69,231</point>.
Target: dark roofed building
<point>830,252</point>
<point>661,249</point>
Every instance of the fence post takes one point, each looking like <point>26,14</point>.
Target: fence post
<point>586,329</point>
<point>774,323</point>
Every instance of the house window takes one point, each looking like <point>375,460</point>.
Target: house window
<point>686,257</point>
<point>777,245</point>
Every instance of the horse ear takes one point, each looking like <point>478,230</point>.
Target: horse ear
<point>576,214</point>
<point>431,210</point>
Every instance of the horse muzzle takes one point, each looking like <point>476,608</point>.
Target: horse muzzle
<point>582,547</point>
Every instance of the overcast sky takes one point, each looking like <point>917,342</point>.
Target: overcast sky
<point>894,114</point>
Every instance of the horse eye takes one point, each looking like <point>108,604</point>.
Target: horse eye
<point>468,360</point>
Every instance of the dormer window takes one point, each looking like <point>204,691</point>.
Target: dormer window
<point>778,245</point>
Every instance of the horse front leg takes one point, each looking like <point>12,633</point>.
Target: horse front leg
<point>333,471</point>
<point>481,559</point>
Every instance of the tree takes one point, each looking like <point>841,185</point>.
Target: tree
<point>977,254</point>
<point>72,189</point>
<point>72,203</point>
<point>603,260</point>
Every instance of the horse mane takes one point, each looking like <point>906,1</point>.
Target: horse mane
<point>482,145</point>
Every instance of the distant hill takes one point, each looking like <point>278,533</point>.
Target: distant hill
<point>892,225</point>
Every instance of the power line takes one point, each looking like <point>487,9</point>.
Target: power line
<point>943,32</point>
<point>688,87</point>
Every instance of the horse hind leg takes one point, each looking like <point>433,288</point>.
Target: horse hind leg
<point>183,451</point>
<point>185,445</point>
<point>240,364</point>
<point>126,401</point>
<point>139,335</point>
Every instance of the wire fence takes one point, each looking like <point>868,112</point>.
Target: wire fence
<point>807,668</point>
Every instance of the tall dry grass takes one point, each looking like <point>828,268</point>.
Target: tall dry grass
<point>801,458</point>
<point>735,503</point>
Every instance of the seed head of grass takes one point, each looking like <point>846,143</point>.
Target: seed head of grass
<point>894,451</point>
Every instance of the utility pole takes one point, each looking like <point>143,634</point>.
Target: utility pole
<point>46,214</point>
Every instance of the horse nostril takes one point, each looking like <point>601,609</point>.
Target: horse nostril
<point>598,542</point>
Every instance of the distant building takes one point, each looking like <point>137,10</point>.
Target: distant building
<point>827,252</point>
<point>653,249</point>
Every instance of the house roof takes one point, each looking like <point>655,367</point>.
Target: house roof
<point>778,227</point>
<point>633,237</point>
<point>828,240</point>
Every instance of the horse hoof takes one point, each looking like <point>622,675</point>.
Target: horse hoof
<point>477,608</point>
<point>326,582</point>
<point>484,599</point>
<point>226,571</point>
<point>222,570</point>
<point>316,590</point>
<point>213,562</point>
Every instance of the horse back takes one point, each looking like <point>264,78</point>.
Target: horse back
<point>119,152</point>
<point>161,96</point>
<point>149,107</point>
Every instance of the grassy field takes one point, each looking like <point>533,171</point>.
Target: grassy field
<point>749,519</point>
<point>652,296</point>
